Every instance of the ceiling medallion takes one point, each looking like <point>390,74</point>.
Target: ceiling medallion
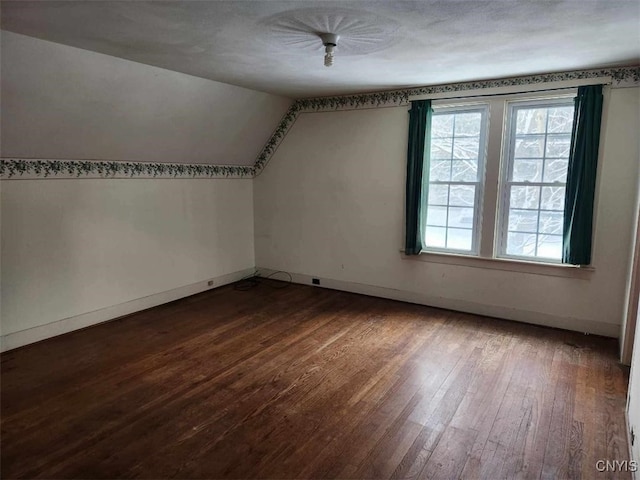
<point>358,32</point>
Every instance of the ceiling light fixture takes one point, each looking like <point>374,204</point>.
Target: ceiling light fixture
<point>330,41</point>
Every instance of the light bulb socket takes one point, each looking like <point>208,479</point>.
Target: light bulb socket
<point>330,41</point>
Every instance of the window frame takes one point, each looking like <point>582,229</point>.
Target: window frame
<point>507,157</point>
<point>464,106</point>
<point>487,256</point>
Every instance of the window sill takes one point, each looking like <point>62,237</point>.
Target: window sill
<point>522,266</point>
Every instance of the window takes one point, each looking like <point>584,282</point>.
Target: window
<point>456,169</point>
<point>539,138</point>
<point>497,177</point>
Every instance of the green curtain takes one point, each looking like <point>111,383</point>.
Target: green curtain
<point>581,176</point>
<point>417,174</point>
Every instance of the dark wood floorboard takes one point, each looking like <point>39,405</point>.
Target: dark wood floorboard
<point>302,382</point>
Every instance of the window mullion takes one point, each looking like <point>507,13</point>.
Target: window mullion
<point>544,162</point>
<point>491,178</point>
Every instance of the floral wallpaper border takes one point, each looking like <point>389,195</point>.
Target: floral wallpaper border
<point>40,168</point>
<point>12,168</point>
<point>620,77</point>
<point>399,97</point>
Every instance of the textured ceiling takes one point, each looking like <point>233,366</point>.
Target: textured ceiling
<point>272,45</point>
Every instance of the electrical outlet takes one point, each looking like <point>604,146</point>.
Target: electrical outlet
<point>315,281</point>
<point>210,283</point>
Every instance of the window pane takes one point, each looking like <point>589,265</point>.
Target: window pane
<point>552,198</point>
<point>524,197</point>
<point>438,194</point>
<point>530,147</point>
<point>460,217</point>
<point>437,216</point>
<point>550,246</point>
<point>442,125</point>
<point>531,120</point>
<point>555,170</point>
<point>441,148</point>
<point>435,237</point>
<point>558,146</point>
<point>463,195</point>
<point>468,124</point>
<point>560,119</point>
<point>464,148</point>
<point>551,222</point>
<point>521,244</point>
<point>464,170</point>
<point>459,239</point>
<point>440,171</point>
<point>523,221</point>
<point>527,170</point>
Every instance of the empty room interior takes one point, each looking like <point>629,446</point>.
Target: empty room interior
<point>297,239</point>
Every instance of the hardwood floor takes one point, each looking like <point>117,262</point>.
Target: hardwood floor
<point>303,382</point>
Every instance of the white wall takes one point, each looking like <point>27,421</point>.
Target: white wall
<point>330,204</point>
<point>70,247</point>
<point>62,102</point>
<point>76,252</point>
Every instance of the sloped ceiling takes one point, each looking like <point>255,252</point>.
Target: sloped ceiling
<point>272,46</point>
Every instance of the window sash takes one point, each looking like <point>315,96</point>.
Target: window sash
<point>483,109</point>
<point>506,182</point>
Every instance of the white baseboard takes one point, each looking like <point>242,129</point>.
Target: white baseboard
<point>525,316</point>
<point>66,325</point>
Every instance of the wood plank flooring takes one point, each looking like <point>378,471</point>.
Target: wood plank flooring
<point>304,382</point>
